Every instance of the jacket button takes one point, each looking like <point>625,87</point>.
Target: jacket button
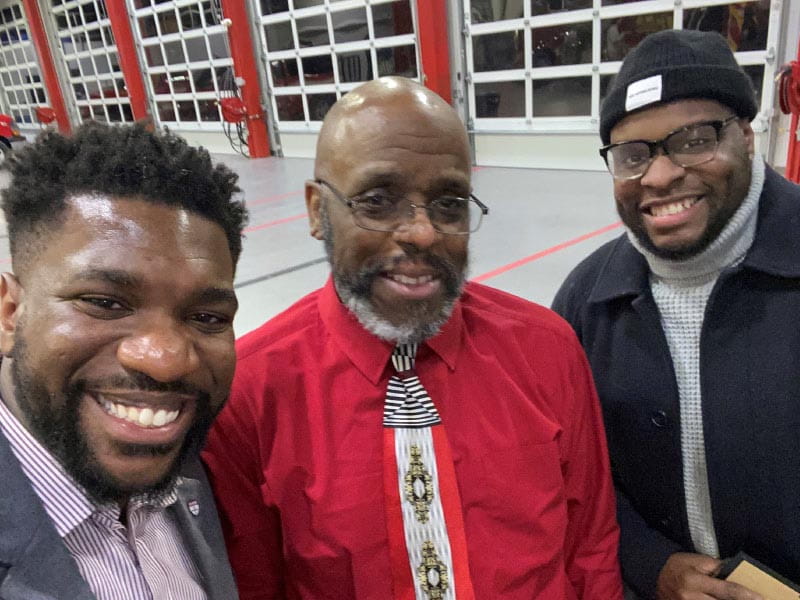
<point>659,419</point>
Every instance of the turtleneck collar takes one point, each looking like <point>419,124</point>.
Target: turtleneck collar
<point>731,244</point>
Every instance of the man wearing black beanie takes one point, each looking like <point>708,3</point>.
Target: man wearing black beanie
<point>691,321</point>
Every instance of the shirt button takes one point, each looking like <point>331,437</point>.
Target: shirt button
<point>659,419</point>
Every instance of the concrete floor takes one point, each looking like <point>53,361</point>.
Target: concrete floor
<point>531,239</point>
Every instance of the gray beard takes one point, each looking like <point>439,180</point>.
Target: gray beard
<point>406,333</point>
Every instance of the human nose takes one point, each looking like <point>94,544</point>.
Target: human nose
<point>662,171</point>
<point>417,229</point>
<point>161,351</point>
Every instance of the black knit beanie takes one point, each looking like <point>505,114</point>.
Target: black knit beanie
<point>676,64</point>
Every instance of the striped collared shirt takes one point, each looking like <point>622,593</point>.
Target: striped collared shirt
<point>144,560</point>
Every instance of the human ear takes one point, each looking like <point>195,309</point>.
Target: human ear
<point>313,200</point>
<point>11,293</point>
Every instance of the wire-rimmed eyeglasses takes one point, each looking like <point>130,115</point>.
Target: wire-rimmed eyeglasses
<point>688,146</point>
<point>387,212</point>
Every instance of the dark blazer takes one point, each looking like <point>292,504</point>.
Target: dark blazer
<point>35,564</point>
<point>750,379</point>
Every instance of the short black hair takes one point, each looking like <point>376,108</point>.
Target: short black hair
<point>127,161</point>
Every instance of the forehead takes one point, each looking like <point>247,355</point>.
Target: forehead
<point>656,122</point>
<point>401,139</point>
<point>100,231</point>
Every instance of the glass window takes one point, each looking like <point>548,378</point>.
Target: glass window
<point>269,7</point>
<point>319,105</point>
<point>190,17</point>
<point>394,18</point>
<point>168,22</point>
<point>147,26</point>
<point>318,69</point>
<point>312,31</point>
<point>563,97</point>
<point>166,111</point>
<point>500,99</point>
<point>355,66</point>
<point>180,83</point>
<point>196,49</point>
<point>349,25</point>
<point>622,34</point>
<point>219,45</point>
<point>284,72</point>
<point>545,7</point>
<point>187,111</point>
<point>290,108</point>
<point>744,26</point>
<point>562,45</point>
<point>756,74</point>
<point>279,36</point>
<point>485,11</point>
<point>399,60</point>
<point>114,113</point>
<point>498,51</point>
<point>208,110</point>
<point>203,80</point>
<point>153,56</point>
<point>174,53</point>
<point>160,83</point>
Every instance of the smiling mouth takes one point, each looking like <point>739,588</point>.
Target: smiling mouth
<point>671,208</point>
<point>407,280</point>
<point>145,417</point>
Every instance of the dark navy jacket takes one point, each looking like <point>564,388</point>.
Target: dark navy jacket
<point>750,381</point>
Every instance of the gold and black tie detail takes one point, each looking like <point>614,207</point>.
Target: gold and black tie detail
<point>432,573</point>
<point>419,486</point>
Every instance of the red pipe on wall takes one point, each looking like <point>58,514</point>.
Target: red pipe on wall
<point>244,66</point>
<point>433,46</point>
<point>48,67</point>
<point>128,58</point>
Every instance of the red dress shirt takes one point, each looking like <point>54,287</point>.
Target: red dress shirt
<point>296,455</point>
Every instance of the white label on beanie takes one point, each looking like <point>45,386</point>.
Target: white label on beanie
<point>644,91</point>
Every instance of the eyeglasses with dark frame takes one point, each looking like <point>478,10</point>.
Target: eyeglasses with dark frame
<point>386,212</point>
<point>688,146</point>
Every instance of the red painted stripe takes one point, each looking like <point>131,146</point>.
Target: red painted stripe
<point>402,583</point>
<point>128,57</point>
<point>275,198</point>
<point>273,223</point>
<point>546,252</point>
<point>454,520</point>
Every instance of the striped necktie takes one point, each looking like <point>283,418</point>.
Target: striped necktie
<point>423,507</point>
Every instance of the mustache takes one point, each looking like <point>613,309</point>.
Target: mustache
<point>139,382</point>
<point>444,268</point>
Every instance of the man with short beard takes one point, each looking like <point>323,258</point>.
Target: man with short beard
<point>691,321</point>
<point>400,433</point>
<point>118,351</point>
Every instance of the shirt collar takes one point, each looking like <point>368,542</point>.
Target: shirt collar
<point>370,354</point>
<point>64,500</point>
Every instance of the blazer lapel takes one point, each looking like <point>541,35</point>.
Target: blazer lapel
<point>39,567</point>
<point>196,516</point>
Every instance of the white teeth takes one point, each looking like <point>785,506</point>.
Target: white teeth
<point>405,279</point>
<point>144,417</point>
<point>673,208</point>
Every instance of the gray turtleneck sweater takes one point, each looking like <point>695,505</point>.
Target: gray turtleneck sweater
<point>681,290</point>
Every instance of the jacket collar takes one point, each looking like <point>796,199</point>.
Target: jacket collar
<point>370,354</point>
<point>774,250</point>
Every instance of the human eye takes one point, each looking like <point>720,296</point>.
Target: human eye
<point>695,139</point>
<point>211,322</point>
<point>102,307</point>
<point>631,156</point>
<point>449,208</point>
<point>376,203</point>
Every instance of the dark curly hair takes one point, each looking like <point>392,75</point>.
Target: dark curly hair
<point>120,160</point>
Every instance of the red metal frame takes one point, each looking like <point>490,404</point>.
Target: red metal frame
<point>793,159</point>
<point>433,46</point>
<point>244,66</point>
<point>128,58</point>
<point>48,67</point>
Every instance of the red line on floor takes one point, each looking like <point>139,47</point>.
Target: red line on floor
<point>276,222</point>
<point>275,198</point>
<point>547,251</point>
